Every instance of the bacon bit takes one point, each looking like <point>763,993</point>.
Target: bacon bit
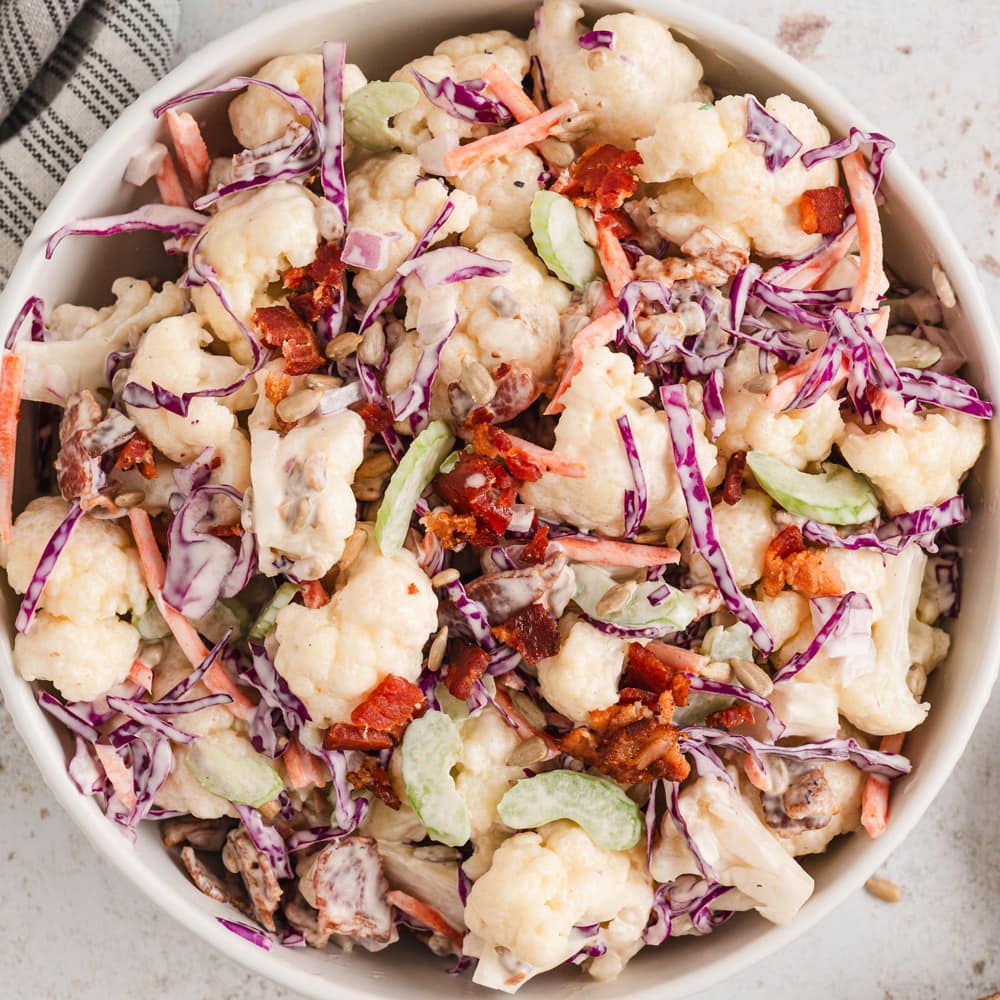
<point>732,490</point>
<point>313,594</point>
<point>276,386</point>
<point>491,442</point>
<point>141,674</point>
<point>372,777</point>
<point>631,742</point>
<point>316,285</point>
<point>304,770</point>
<point>533,554</point>
<point>730,718</point>
<point>412,589</point>
<point>283,328</point>
<point>600,178</point>
<point>377,418</point>
<point>392,703</point>
<point>822,210</point>
<point>482,488</point>
<point>137,452</point>
<point>787,561</point>
<point>467,664</point>
<point>226,530</point>
<point>647,671</point>
<point>453,531</point>
<point>344,736</point>
<point>533,632</point>
<point>605,552</point>
<point>427,916</point>
<point>628,695</point>
<point>77,467</point>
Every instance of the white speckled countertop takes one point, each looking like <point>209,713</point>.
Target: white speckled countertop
<point>929,76</point>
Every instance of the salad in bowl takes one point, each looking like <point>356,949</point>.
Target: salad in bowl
<point>524,517</point>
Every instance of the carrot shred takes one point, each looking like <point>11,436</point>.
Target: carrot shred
<point>596,333</point>
<point>154,569</point>
<point>426,915</point>
<point>520,724</point>
<point>811,273</point>
<point>117,773</point>
<point>550,461</point>
<point>192,153</point>
<point>862,188</point>
<point>875,796</point>
<point>510,93</point>
<point>677,658</point>
<point>613,258</point>
<point>756,775</point>
<point>142,674</point>
<point>11,377</point>
<point>491,147</point>
<point>304,770</point>
<point>168,183</point>
<point>606,552</point>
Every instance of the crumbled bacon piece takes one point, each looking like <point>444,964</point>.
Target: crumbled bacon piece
<point>225,530</point>
<point>616,222</point>
<point>628,695</point>
<point>372,777</point>
<point>480,487</point>
<point>491,442</point>
<point>533,632</point>
<point>453,531</point>
<point>344,736</point>
<point>137,453</point>
<point>282,328</point>
<point>533,554</point>
<point>647,671</point>
<point>467,664</point>
<point>730,718</point>
<point>600,178</point>
<point>276,386</point>
<point>313,594</point>
<point>377,418</point>
<point>732,489</point>
<point>317,285</point>
<point>631,742</point>
<point>787,561</point>
<point>392,703</point>
<point>822,210</point>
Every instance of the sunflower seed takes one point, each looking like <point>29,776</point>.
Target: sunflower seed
<point>882,888</point>
<point>676,533</point>
<point>559,154</point>
<point>694,392</point>
<point>353,548</point>
<point>435,655</point>
<point>150,653</point>
<point>942,286</point>
<point>717,671</point>
<point>477,382</point>
<point>368,489</point>
<point>533,715</point>
<point>342,345</point>
<point>761,385</point>
<point>649,537</point>
<point>372,347</point>
<point>445,577</point>
<point>597,59</point>
<point>374,466</point>
<point>129,498</point>
<point>317,380</point>
<point>751,676</point>
<point>574,126</point>
<point>616,598</point>
<point>298,405</point>
<point>531,751</point>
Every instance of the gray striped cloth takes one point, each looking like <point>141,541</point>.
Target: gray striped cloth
<point>67,70</point>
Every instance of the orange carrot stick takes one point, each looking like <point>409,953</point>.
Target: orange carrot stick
<point>426,915</point>
<point>154,569</point>
<point>810,274</point>
<point>141,674</point>
<point>304,770</point>
<point>756,774</point>
<point>550,461</point>
<point>521,726</point>
<point>192,153</point>
<point>605,552</point>
<point>596,333</point>
<point>678,658</point>
<point>168,183</point>
<point>510,93</point>
<point>491,147</point>
<point>862,188</point>
<point>875,796</point>
<point>11,377</point>
<point>613,258</point>
<point>117,773</point>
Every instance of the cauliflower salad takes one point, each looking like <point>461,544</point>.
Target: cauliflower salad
<point>532,475</point>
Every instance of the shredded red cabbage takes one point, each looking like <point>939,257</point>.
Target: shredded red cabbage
<point>715,408</point>
<point>80,727</point>
<point>779,142</point>
<point>83,770</point>
<point>881,146</point>
<point>173,219</point>
<point>674,811</point>
<point>775,727</point>
<point>601,39</point>
<point>935,389</point>
<point>331,172</point>
<point>266,839</point>
<point>636,500</point>
<point>301,839</point>
<point>413,403</point>
<point>465,101</point>
<point>279,713</point>
<point>699,506</point>
<point>34,307</point>
<point>248,933</point>
<point>447,265</point>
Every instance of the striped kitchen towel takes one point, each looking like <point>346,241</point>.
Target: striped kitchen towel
<point>67,70</point>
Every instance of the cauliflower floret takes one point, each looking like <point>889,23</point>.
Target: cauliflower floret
<point>606,387</point>
<point>708,147</point>
<point>333,656</point>
<point>583,676</point>
<point>744,529</point>
<point>83,338</point>
<point>797,438</point>
<point>385,196</point>
<point>530,337</point>
<point>249,242</point>
<point>83,658</point>
<point>484,774</point>
<point>783,614</point>
<point>303,506</point>
<point>807,709</point>
<point>626,87</point>
<point>97,575</point>
<point>259,115</point>
<point>742,851</point>
<point>465,57</point>
<point>543,884</point>
<point>875,696</point>
<point>170,354</point>
<point>678,209</point>
<point>504,189</point>
<point>920,463</point>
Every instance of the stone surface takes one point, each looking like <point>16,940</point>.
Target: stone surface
<point>73,932</point>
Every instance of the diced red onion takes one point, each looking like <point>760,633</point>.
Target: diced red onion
<point>366,249</point>
<point>636,500</point>
<point>248,933</point>
<point>780,143</point>
<point>699,506</point>
<point>602,39</point>
<point>291,938</point>
<point>464,100</point>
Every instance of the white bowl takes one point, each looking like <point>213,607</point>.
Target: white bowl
<point>381,36</point>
